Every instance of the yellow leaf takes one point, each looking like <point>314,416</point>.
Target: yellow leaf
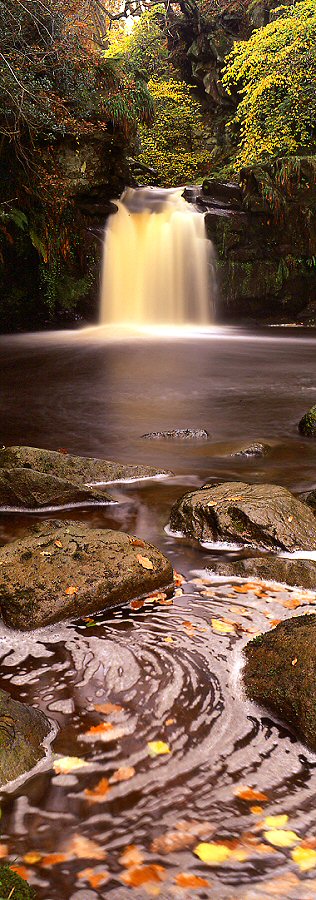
<point>144,562</point>
<point>280,838</point>
<point>222,627</point>
<point>168,640</point>
<point>304,857</point>
<point>212,854</point>
<point>158,748</point>
<point>67,764</point>
<point>276,821</point>
<point>32,858</point>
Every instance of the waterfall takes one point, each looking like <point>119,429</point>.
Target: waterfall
<point>158,266</point>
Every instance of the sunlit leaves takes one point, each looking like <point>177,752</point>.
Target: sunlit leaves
<point>304,857</point>
<point>212,854</point>
<point>281,838</point>
<point>158,748</point>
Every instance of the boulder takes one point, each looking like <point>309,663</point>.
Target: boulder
<point>77,469</point>
<point>299,572</point>
<point>28,489</point>
<point>255,449</point>
<point>182,434</point>
<point>261,515</point>
<point>280,674</point>
<point>22,731</point>
<point>69,570</point>
<point>307,424</point>
<point>309,497</point>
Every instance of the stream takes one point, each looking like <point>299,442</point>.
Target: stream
<point>170,674</point>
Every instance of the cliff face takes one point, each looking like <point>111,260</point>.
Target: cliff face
<point>266,250</point>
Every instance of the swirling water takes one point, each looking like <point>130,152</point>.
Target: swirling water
<point>173,677</point>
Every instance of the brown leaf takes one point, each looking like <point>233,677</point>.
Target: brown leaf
<point>137,604</point>
<point>186,880</point>
<point>122,774</point>
<point>97,794</point>
<point>136,542</point>
<point>144,562</point>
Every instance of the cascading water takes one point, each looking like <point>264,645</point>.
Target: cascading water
<point>158,267</point>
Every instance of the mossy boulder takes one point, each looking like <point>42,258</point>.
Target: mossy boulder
<point>265,516</point>
<point>22,731</point>
<point>307,424</point>
<point>280,674</point>
<point>80,470</point>
<point>299,572</point>
<point>28,489</point>
<point>69,570</point>
<point>14,887</point>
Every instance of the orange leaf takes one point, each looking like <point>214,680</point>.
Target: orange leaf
<point>291,604</point>
<point>131,857</point>
<point>53,859</point>
<point>139,875</point>
<point>4,851</point>
<point>99,729</point>
<point>248,793</point>
<point>122,774</point>
<point>144,562</point>
<point>107,708</point>
<point>136,542</point>
<point>72,590</point>
<point>97,794</point>
<point>185,880</point>
<point>104,732</point>
<point>137,604</point>
<point>32,858</point>
<point>178,579</point>
<point>81,847</point>
<point>21,871</point>
<point>95,879</point>
<point>58,544</point>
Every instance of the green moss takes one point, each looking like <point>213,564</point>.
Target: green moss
<point>11,885</point>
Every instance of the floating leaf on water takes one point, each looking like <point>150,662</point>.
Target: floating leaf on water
<point>72,590</point>
<point>144,562</point>
<point>170,721</point>
<point>248,793</point>
<point>32,858</point>
<point>186,880</point>
<point>276,821</point>
<point>67,764</point>
<point>95,879</point>
<point>304,857</point>
<point>158,748</point>
<point>212,854</point>
<point>98,793</point>
<point>81,847</point>
<point>104,732</point>
<point>223,627</point>
<point>125,773</point>
<point>131,857</point>
<point>168,640</point>
<point>256,810</point>
<point>53,859</point>
<point>183,835</point>
<point>107,708</point>
<point>139,875</point>
<point>281,838</point>
<point>4,851</point>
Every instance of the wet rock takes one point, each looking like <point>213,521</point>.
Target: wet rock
<point>255,449</point>
<point>280,674</point>
<point>309,497</point>
<point>307,424</point>
<point>28,489</point>
<point>70,571</point>
<point>12,885</point>
<point>80,470</point>
<point>22,731</point>
<point>182,434</point>
<point>263,515</point>
<point>300,572</point>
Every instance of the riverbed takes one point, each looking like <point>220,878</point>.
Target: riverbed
<point>170,674</point>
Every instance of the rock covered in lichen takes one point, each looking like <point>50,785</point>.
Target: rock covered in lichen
<point>307,424</point>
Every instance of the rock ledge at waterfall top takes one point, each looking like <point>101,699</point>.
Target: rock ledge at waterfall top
<point>66,570</point>
<point>80,470</point>
<point>280,674</point>
<point>22,731</point>
<point>23,488</point>
<point>265,516</point>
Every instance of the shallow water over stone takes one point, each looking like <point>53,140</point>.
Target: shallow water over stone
<point>175,677</point>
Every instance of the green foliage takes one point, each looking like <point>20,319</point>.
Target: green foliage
<point>146,46</point>
<point>275,75</point>
<point>169,146</point>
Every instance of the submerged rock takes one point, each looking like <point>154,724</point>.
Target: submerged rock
<point>27,489</point>
<point>77,469</point>
<point>300,572</point>
<point>280,674</point>
<point>263,515</point>
<point>71,570</point>
<point>182,434</point>
<point>22,731</point>
<point>307,424</point>
<point>255,449</point>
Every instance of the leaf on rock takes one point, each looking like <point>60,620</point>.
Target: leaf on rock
<point>98,793</point>
<point>67,764</point>
<point>186,880</point>
<point>158,748</point>
<point>144,562</point>
<point>136,542</point>
<point>125,773</point>
<point>280,838</point>
<point>58,544</point>
<point>81,847</point>
<point>248,793</point>
<point>137,604</point>
<point>72,590</point>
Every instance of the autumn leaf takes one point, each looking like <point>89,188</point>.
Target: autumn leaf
<point>280,838</point>
<point>256,810</point>
<point>97,794</point>
<point>139,875</point>
<point>125,773</point>
<point>104,732</point>
<point>212,854</point>
<point>276,821</point>
<point>53,859</point>
<point>58,544</point>
<point>21,871</point>
<point>72,590</point>
<point>32,858</point>
<point>178,579</point>
<point>131,857</point>
<point>81,847</point>
<point>168,640</point>
<point>158,748</point>
<point>107,708</point>
<point>223,627</point>
<point>67,764</point>
<point>4,851</point>
<point>137,604</point>
<point>186,880</point>
<point>95,879</point>
<point>136,542</point>
<point>304,857</point>
<point>144,562</point>
<point>248,793</point>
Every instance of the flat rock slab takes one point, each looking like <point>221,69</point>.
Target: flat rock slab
<point>69,571</point>
<point>261,515</point>
<point>280,674</point>
<point>299,572</point>
<point>22,731</point>
<point>80,470</point>
<point>29,490</point>
<point>182,434</point>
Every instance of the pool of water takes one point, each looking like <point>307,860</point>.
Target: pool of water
<point>173,675</point>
